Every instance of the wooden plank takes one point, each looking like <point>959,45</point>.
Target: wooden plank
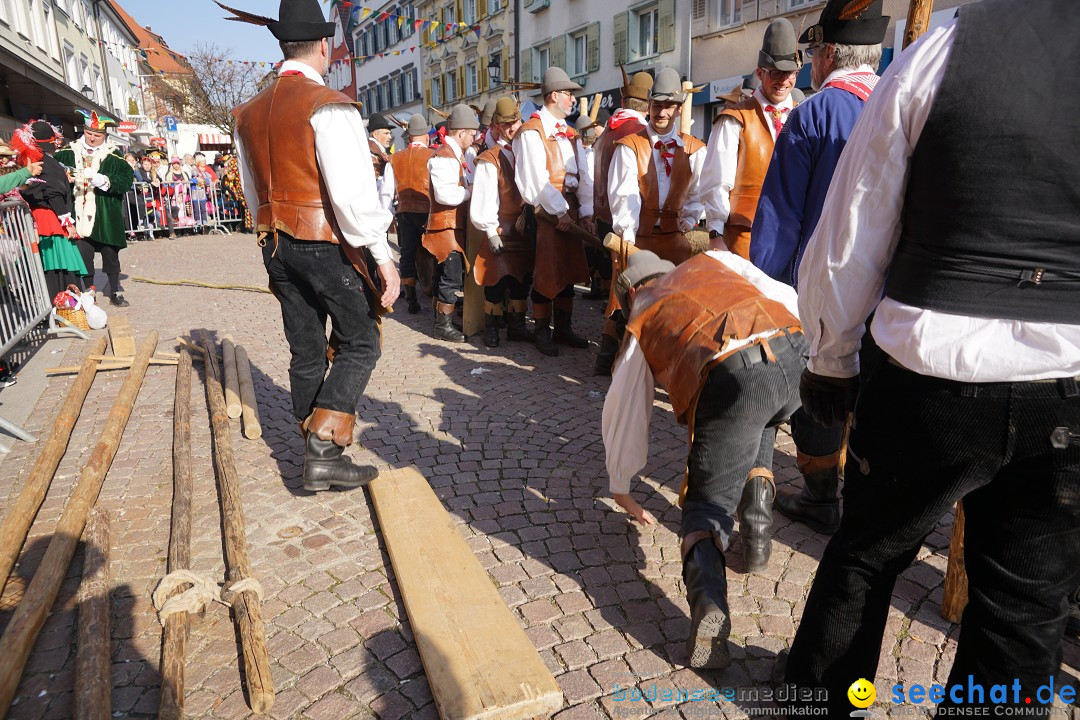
<point>479,662</point>
<point>93,655</point>
<point>956,583</point>
<point>123,340</point>
<point>472,318</point>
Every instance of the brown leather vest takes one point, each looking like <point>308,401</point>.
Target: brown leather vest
<point>684,319</point>
<point>604,151</point>
<point>755,151</point>
<point>412,179</point>
<point>510,202</point>
<point>556,168</point>
<point>279,148</point>
<point>649,187</point>
<point>448,217</point>
<point>379,158</point>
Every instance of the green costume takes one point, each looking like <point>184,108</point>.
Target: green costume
<point>102,208</point>
<point>13,180</point>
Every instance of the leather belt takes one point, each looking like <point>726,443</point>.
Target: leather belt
<point>762,351</point>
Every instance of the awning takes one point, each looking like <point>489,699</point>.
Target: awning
<point>214,139</point>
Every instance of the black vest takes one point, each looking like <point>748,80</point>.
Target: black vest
<point>991,220</point>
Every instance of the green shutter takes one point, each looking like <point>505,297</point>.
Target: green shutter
<point>592,47</point>
<point>666,22</point>
<point>557,52</point>
<point>621,32</point>
<point>526,65</point>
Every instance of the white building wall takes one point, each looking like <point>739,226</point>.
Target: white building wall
<point>392,84</point>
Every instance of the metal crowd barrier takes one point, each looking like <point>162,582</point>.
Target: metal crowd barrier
<point>24,298</point>
<point>168,208</point>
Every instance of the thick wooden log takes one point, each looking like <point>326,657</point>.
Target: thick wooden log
<point>472,313</point>
<point>918,20</point>
<point>93,657</point>
<point>26,623</point>
<point>21,515</point>
<point>956,584</point>
<point>248,401</point>
<point>174,643</point>
<point>247,611</point>
<point>232,385</point>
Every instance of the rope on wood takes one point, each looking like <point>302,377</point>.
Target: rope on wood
<point>199,283</point>
<point>202,592</point>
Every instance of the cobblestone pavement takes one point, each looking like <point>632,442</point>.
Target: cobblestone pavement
<point>510,442</point>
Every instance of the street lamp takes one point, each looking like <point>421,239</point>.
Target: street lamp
<point>88,92</point>
<point>495,71</point>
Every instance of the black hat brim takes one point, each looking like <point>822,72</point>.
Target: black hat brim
<point>301,31</point>
<point>864,31</point>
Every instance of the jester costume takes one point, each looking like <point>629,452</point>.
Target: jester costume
<point>235,205</point>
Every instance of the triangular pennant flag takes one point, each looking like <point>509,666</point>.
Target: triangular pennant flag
<point>400,20</point>
<point>417,24</point>
<point>365,13</point>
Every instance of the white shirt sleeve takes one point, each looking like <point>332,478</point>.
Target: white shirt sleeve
<point>484,208</point>
<point>770,288</point>
<point>247,181</point>
<point>585,179</point>
<point>531,174</point>
<point>718,172</point>
<point>445,173</point>
<point>388,188</point>
<point>627,413</point>
<point>843,269</point>
<point>341,149</point>
<point>624,193</point>
<point>694,206</point>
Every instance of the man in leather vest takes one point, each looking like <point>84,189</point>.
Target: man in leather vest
<point>974,285</point>
<point>627,120</point>
<point>546,174</point>
<point>444,238</point>
<point>742,141</point>
<point>380,137</point>
<point>732,379</point>
<point>407,179</point>
<point>504,264</point>
<point>307,176</point>
<point>845,47</point>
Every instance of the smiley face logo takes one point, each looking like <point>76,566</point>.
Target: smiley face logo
<point>862,693</point>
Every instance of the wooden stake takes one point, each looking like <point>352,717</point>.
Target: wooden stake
<point>246,609</point>
<point>106,365</point>
<point>25,624</point>
<point>171,706</point>
<point>21,516</point>
<point>918,20</point>
<point>93,658</point>
<point>252,426</point>
<point>956,584</point>
<point>686,113</point>
<point>583,105</point>
<point>232,386</point>
<point>595,106</point>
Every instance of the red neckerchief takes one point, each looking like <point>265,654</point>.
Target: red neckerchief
<point>290,73</point>
<point>416,144</point>
<point>666,153</point>
<point>621,117</point>
<point>777,114</point>
<point>859,84</point>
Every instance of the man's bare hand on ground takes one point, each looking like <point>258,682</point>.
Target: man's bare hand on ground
<point>630,505</point>
<point>391,283</point>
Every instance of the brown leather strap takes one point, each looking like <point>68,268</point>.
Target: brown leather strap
<point>816,463</point>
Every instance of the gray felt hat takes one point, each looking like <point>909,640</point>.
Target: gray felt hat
<point>668,86</point>
<point>555,78</point>
<point>417,126</point>
<point>463,117</point>
<point>640,266</point>
<point>779,51</point>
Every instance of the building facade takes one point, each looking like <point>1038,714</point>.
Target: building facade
<point>387,61</point>
<point>117,43</point>
<point>341,76</point>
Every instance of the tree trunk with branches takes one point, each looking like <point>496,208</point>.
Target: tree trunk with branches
<point>217,85</point>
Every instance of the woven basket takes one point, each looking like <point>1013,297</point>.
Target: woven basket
<point>76,317</point>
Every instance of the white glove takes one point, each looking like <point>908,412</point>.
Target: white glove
<point>101,182</point>
<point>66,220</point>
<point>496,244</point>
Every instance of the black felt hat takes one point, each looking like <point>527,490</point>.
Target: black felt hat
<point>378,121</point>
<point>849,22</point>
<point>298,21</point>
<point>44,132</point>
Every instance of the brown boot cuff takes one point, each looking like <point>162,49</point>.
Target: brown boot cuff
<point>694,538</point>
<point>809,464</point>
<point>332,425</point>
<point>444,308</point>
<point>408,282</point>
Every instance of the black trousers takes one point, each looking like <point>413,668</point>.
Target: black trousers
<point>743,401</point>
<point>449,278</point>
<point>920,444</point>
<point>110,262</point>
<point>410,229</point>
<point>313,280</point>
<point>507,285</point>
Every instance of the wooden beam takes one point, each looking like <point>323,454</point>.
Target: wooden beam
<point>21,515</point>
<point>956,584</point>
<point>232,386</point>
<point>248,403</point>
<point>93,656</point>
<point>472,313</point>
<point>479,663</point>
<point>120,364</point>
<point>174,643</point>
<point>25,624</point>
<point>123,340</point>
<point>918,20</point>
<point>247,611</point>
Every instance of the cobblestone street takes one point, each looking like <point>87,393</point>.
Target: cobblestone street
<point>509,440</point>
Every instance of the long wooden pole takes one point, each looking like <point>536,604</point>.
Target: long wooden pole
<point>173,646</point>
<point>249,403</point>
<point>247,611</point>
<point>93,657</point>
<point>686,119</point>
<point>956,585</point>
<point>21,516</point>
<point>26,623</point>
<point>232,384</point>
<point>918,20</point>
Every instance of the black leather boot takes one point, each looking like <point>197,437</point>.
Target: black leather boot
<point>491,330</point>
<point>605,359</point>
<point>544,343</point>
<point>596,290</point>
<point>328,433</point>
<point>563,333</point>
<point>755,521</point>
<point>410,297</point>
<point>706,594</point>
<point>817,505</point>
<point>516,328</point>
<point>444,328</point>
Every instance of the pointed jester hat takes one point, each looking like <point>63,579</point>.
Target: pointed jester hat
<point>298,21</point>
<point>93,121</point>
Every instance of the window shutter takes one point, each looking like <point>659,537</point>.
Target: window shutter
<point>558,52</point>
<point>621,32</point>
<point>666,21</point>
<point>459,11</point>
<point>526,65</point>
<point>481,9</point>
<point>482,73</point>
<point>506,63</point>
<point>592,47</point>
<point>460,84</point>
